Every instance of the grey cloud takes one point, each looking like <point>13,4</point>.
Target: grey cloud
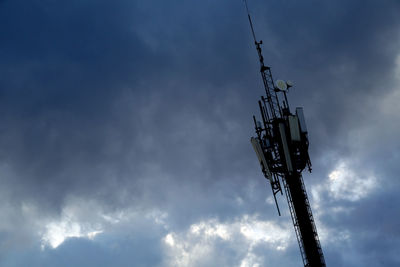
<point>149,104</point>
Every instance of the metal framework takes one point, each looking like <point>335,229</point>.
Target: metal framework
<point>281,146</point>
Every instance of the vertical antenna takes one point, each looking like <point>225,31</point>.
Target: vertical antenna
<point>251,23</point>
<point>269,86</point>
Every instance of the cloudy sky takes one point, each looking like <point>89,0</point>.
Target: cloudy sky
<point>125,127</point>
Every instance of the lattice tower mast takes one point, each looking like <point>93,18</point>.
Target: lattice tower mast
<point>281,146</point>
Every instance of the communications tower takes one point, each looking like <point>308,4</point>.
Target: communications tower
<point>281,146</point>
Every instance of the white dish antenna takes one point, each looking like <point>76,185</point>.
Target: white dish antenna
<point>281,85</point>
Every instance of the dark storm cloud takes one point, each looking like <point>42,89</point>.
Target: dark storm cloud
<point>67,69</point>
<point>64,66</point>
<point>149,104</point>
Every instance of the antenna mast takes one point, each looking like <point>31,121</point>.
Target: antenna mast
<point>281,146</point>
